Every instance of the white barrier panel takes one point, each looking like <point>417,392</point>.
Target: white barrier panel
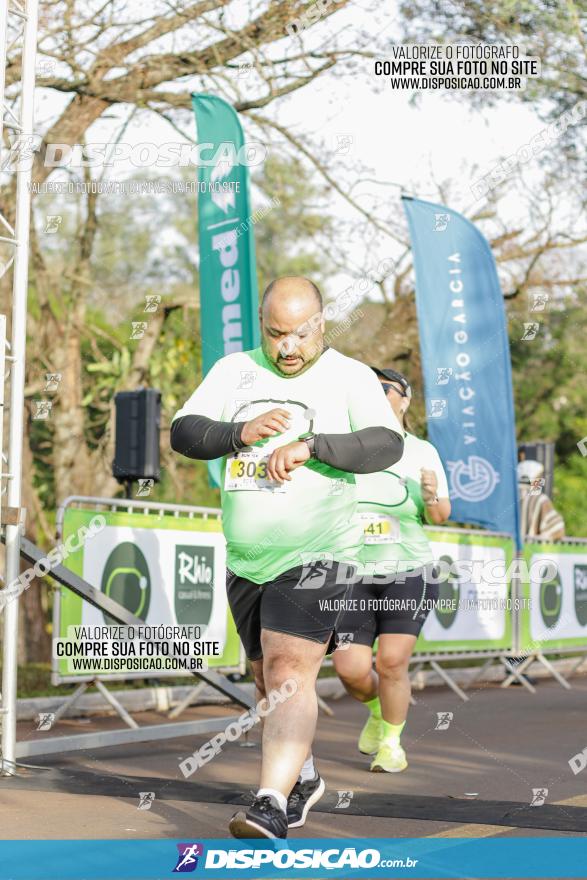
<point>166,570</point>
<point>557,616</point>
<point>475,610</point>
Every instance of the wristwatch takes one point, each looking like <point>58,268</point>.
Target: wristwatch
<point>309,441</point>
<point>434,501</point>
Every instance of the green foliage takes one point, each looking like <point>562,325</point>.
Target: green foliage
<point>550,395</point>
<point>569,485</point>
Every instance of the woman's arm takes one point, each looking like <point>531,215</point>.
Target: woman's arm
<point>437,512</point>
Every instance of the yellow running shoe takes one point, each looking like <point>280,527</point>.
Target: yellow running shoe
<point>370,738</point>
<point>390,758</point>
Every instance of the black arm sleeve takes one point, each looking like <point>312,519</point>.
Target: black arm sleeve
<point>204,438</point>
<point>361,452</point>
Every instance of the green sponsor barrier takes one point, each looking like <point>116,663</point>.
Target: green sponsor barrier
<point>166,570</point>
<point>554,614</point>
<point>171,571</point>
<point>475,610</point>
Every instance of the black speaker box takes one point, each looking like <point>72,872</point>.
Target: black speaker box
<point>138,417</point>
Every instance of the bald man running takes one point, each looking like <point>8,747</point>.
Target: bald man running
<point>293,420</point>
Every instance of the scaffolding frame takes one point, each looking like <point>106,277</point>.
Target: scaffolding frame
<point>18,21</point>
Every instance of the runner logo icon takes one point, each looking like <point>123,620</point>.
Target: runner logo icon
<point>344,800</point>
<point>187,859</point>
<point>473,480</point>
<point>313,573</point>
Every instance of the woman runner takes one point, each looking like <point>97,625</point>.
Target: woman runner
<point>393,594</point>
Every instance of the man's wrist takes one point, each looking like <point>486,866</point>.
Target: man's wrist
<point>309,441</point>
<point>237,436</point>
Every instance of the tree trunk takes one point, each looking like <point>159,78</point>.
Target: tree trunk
<point>71,461</point>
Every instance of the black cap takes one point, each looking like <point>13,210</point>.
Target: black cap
<point>394,376</point>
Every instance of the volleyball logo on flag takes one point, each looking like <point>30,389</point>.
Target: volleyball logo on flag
<point>472,481</point>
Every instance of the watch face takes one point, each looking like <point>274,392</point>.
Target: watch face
<point>309,441</point>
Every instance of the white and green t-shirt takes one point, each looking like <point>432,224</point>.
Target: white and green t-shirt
<point>271,528</point>
<point>391,509</point>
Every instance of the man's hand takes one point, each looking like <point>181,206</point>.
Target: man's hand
<point>286,459</point>
<point>428,485</point>
<point>268,424</point>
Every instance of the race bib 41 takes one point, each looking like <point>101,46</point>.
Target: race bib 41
<point>379,528</point>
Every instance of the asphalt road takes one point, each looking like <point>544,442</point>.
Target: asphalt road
<point>498,747</point>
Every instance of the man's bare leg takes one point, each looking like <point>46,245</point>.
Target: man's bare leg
<point>257,670</point>
<point>289,728</point>
<point>260,693</point>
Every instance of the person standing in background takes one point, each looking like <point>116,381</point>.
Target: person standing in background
<point>538,517</point>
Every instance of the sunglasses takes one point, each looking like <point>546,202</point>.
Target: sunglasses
<point>387,386</point>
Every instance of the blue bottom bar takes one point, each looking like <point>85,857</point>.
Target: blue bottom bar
<point>528,857</point>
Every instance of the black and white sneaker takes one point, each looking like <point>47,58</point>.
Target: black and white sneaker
<point>263,819</point>
<point>303,796</point>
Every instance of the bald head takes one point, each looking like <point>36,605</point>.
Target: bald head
<point>293,287</point>
<point>292,324</point>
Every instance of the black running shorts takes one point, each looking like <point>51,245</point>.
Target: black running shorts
<point>377,606</point>
<point>304,601</point>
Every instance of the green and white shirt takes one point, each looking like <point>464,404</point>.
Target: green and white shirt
<point>391,509</point>
<point>272,528</point>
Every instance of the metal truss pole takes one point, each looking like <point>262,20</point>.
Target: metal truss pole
<point>25,14</point>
